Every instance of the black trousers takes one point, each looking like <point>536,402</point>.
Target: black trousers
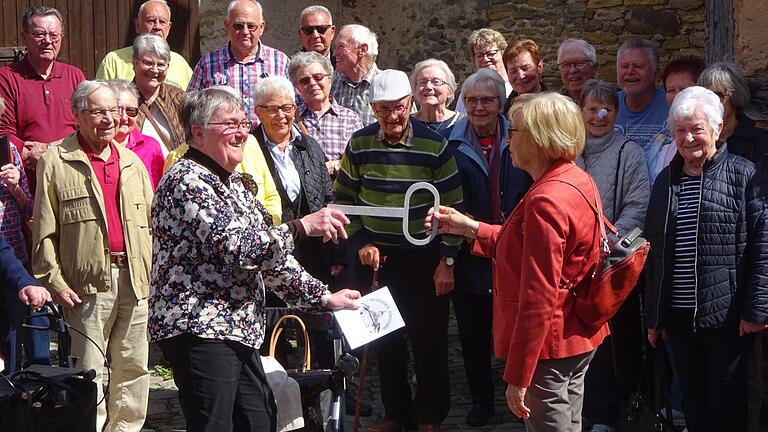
<point>222,385</point>
<point>474,316</point>
<point>712,367</point>
<point>408,274</point>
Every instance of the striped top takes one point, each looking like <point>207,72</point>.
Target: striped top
<point>376,173</point>
<point>220,67</point>
<point>684,268</point>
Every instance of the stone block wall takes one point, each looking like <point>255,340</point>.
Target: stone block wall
<point>410,31</point>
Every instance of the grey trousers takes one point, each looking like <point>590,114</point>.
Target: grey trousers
<point>556,394</point>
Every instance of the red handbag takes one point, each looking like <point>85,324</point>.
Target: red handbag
<point>615,276</point>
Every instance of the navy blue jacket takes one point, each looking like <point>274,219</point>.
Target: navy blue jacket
<point>472,274</point>
<point>13,275</point>
<point>732,248</point>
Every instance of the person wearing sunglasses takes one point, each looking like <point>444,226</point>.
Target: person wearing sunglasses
<point>245,60</point>
<point>154,17</point>
<point>380,163</point>
<point>316,31</point>
<point>130,136</point>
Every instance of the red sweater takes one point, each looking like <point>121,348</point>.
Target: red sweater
<point>551,235</point>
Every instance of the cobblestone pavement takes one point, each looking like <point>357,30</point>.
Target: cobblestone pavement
<point>164,413</point>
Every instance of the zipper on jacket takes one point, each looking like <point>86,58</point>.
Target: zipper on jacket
<point>664,251</point>
<point>696,256</point>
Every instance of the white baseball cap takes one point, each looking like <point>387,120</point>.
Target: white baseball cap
<point>389,85</point>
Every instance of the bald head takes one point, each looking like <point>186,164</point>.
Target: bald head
<point>244,26</point>
<point>154,17</point>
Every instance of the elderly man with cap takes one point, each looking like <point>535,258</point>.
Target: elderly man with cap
<point>380,163</point>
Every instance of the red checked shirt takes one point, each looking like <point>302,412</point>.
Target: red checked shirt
<point>108,174</point>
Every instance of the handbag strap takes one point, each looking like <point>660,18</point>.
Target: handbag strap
<point>277,330</point>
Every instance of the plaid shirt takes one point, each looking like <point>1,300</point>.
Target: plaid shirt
<point>11,216</point>
<point>332,130</point>
<point>220,67</point>
<point>355,95</point>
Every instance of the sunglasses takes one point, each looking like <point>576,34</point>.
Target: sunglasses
<point>320,29</point>
<point>129,111</point>
<point>307,80</point>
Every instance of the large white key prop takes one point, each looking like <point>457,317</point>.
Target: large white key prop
<point>396,212</point>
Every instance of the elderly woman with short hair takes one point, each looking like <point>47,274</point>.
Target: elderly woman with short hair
<point>159,102</point>
<point>541,255</point>
<point>486,47</point>
<point>618,167</point>
<point>215,250</point>
<point>705,274</point>
<point>492,187</point>
<point>729,83</point>
<point>434,86</point>
<point>297,164</point>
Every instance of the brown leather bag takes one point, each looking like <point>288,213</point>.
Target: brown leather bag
<point>619,266</point>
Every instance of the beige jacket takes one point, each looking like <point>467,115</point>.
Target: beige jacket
<point>70,248</point>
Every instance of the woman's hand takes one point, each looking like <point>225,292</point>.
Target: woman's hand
<point>326,223</point>
<point>746,327</point>
<point>343,299</point>
<point>10,175</point>
<point>516,401</point>
<point>451,221</point>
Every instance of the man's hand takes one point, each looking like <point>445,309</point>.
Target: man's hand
<point>34,296</point>
<point>369,255</point>
<point>326,223</point>
<point>746,327</point>
<point>31,153</point>
<point>443,278</point>
<point>343,299</point>
<point>67,299</point>
<point>336,269</point>
<point>516,401</point>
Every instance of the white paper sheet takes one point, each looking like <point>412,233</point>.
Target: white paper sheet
<point>377,316</point>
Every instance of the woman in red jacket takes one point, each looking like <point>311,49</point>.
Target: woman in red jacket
<point>541,255</point>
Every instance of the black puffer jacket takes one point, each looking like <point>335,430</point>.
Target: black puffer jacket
<point>731,245</point>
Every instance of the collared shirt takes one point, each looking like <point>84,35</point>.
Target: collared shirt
<point>406,140</point>
<point>220,67</point>
<point>332,129</point>
<point>12,216</point>
<point>355,95</point>
<point>118,64</point>
<point>108,174</point>
<point>37,108</point>
<point>289,175</point>
<point>149,151</point>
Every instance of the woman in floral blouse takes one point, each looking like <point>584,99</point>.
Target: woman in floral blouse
<point>214,251</point>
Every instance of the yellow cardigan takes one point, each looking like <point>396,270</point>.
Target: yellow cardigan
<point>254,164</point>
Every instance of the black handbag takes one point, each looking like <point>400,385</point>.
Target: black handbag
<point>643,411</point>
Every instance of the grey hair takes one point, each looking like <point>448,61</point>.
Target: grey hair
<point>730,78</point>
<point>450,78</point>
<point>83,90</point>
<point>233,3</point>
<point>489,77</point>
<point>604,91</point>
<point>273,86</point>
<point>643,44</point>
<point>39,11</point>
<point>305,59</point>
<point>198,107</point>
<point>154,43</point>
<point>119,86</point>
<point>589,51</point>
<point>316,9</point>
<point>362,35</point>
<point>697,99</point>
<point>162,2</point>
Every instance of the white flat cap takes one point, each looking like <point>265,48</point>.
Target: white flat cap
<point>389,85</point>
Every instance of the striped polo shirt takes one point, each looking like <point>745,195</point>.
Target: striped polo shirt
<point>684,268</point>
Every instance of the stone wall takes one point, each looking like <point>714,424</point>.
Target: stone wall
<point>751,49</point>
<point>410,31</point>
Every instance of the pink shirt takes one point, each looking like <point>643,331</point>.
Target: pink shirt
<point>149,151</point>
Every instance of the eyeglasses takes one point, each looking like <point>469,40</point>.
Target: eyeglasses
<point>100,113</point>
<point>436,82</point>
<point>485,101</point>
<point>320,29</point>
<point>307,80</point>
<point>722,95</point>
<point>39,36</point>
<point>490,54</point>
<point>252,27</point>
<point>272,109</point>
<point>579,65</point>
<point>161,66</point>
<point>386,112</point>
<point>233,126</point>
<point>129,111</point>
